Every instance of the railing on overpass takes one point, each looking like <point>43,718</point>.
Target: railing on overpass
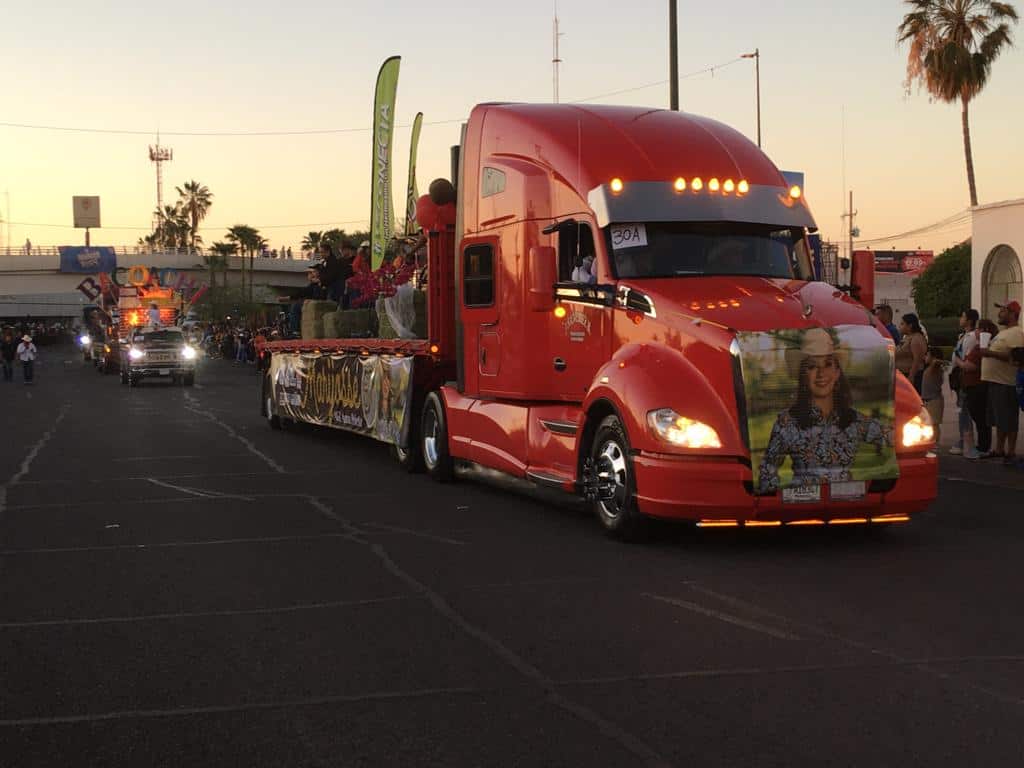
<point>140,250</point>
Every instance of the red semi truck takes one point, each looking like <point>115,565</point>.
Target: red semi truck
<point>693,370</point>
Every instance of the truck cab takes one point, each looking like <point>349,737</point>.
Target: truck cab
<point>157,352</point>
<point>642,386</point>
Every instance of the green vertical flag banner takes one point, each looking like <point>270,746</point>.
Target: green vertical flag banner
<point>411,193</point>
<point>382,227</point>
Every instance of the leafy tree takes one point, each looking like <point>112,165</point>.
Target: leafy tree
<point>953,44</point>
<point>196,201</point>
<point>944,289</point>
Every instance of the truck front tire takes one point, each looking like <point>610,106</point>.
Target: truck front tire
<point>433,440</point>
<point>619,515</point>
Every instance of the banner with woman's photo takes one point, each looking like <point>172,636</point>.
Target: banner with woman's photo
<point>820,411</point>
<point>371,395</point>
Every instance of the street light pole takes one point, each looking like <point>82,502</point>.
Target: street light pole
<point>673,56</point>
<point>756,56</point>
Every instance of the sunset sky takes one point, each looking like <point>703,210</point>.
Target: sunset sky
<point>198,67</point>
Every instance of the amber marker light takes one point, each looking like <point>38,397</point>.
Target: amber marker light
<point>718,524</point>
<point>616,185</point>
<point>743,187</point>
<point>559,312</point>
<point>848,521</point>
<point>714,185</point>
<point>891,519</point>
<point>795,192</point>
<point>729,186</point>
<point>806,522</point>
<point>434,349</point>
<point>697,184</point>
<point>680,184</point>
<point>762,524</point>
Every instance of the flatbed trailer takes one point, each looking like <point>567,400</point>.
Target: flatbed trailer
<point>698,372</point>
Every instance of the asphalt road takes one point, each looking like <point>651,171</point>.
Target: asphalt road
<point>180,585</point>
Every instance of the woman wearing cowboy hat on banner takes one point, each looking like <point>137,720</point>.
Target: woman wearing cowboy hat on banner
<point>820,432</point>
<point>27,355</point>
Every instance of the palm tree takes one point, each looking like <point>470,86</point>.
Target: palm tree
<point>217,259</point>
<point>172,228</point>
<point>311,242</point>
<point>248,241</point>
<point>196,201</point>
<point>953,44</point>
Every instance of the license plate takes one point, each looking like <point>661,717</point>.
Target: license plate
<point>159,358</point>
<point>165,373</point>
<point>803,494</point>
<point>848,491</point>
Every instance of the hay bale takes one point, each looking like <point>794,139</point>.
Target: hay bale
<point>332,325</point>
<point>355,324</point>
<point>313,317</point>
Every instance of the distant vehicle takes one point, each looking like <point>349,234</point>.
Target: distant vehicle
<point>162,353</point>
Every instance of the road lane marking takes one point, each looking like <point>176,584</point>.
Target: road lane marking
<point>728,618</point>
<point>297,608</point>
<point>175,544</point>
<point>173,458</point>
<point>607,728</point>
<point>197,491</point>
<point>194,407</point>
<point>790,669</point>
<point>139,714</point>
<point>861,646</point>
<point>26,463</point>
<point>410,532</point>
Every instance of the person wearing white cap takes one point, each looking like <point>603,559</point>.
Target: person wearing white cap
<point>821,432</point>
<point>27,355</point>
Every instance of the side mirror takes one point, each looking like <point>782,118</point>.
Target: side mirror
<point>542,277</point>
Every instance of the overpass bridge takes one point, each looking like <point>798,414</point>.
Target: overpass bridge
<point>33,283</point>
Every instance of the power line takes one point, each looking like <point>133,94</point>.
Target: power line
<point>204,226</point>
<point>135,132</point>
<point>689,75</point>
<point>956,220</point>
<point>327,131</point>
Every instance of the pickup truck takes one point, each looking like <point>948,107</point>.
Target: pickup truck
<point>158,352</point>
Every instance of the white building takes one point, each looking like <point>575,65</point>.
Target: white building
<point>997,250</point>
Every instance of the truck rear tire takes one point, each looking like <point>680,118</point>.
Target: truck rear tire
<point>189,380</point>
<point>433,440</point>
<point>619,516</point>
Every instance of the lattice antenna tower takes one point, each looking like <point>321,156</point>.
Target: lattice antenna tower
<point>159,155</point>
<point>556,60</point>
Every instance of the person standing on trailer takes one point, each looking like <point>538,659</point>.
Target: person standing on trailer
<point>154,315</point>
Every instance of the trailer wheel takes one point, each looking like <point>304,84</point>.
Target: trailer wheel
<point>124,377</point>
<point>268,406</point>
<point>618,512</point>
<point>434,440</point>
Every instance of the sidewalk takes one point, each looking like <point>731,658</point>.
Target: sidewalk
<point>984,471</point>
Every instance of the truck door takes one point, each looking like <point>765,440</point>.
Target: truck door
<point>481,333</point>
<point>580,342</point>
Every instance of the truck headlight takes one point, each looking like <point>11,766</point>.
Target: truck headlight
<point>84,340</point>
<point>188,353</point>
<point>135,354</point>
<point>919,431</point>
<point>682,431</point>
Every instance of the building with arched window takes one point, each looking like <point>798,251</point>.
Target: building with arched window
<point>997,255</point>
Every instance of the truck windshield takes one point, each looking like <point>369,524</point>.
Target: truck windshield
<point>674,249</point>
<point>160,337</point>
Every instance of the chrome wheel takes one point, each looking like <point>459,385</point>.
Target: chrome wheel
<point>430,430</point>
<point>612,466</point>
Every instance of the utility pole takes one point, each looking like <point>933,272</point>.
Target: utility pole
<point>673,56</point>
<point>556,60</point>
<point>756,56</point>
<point>852,230</point>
